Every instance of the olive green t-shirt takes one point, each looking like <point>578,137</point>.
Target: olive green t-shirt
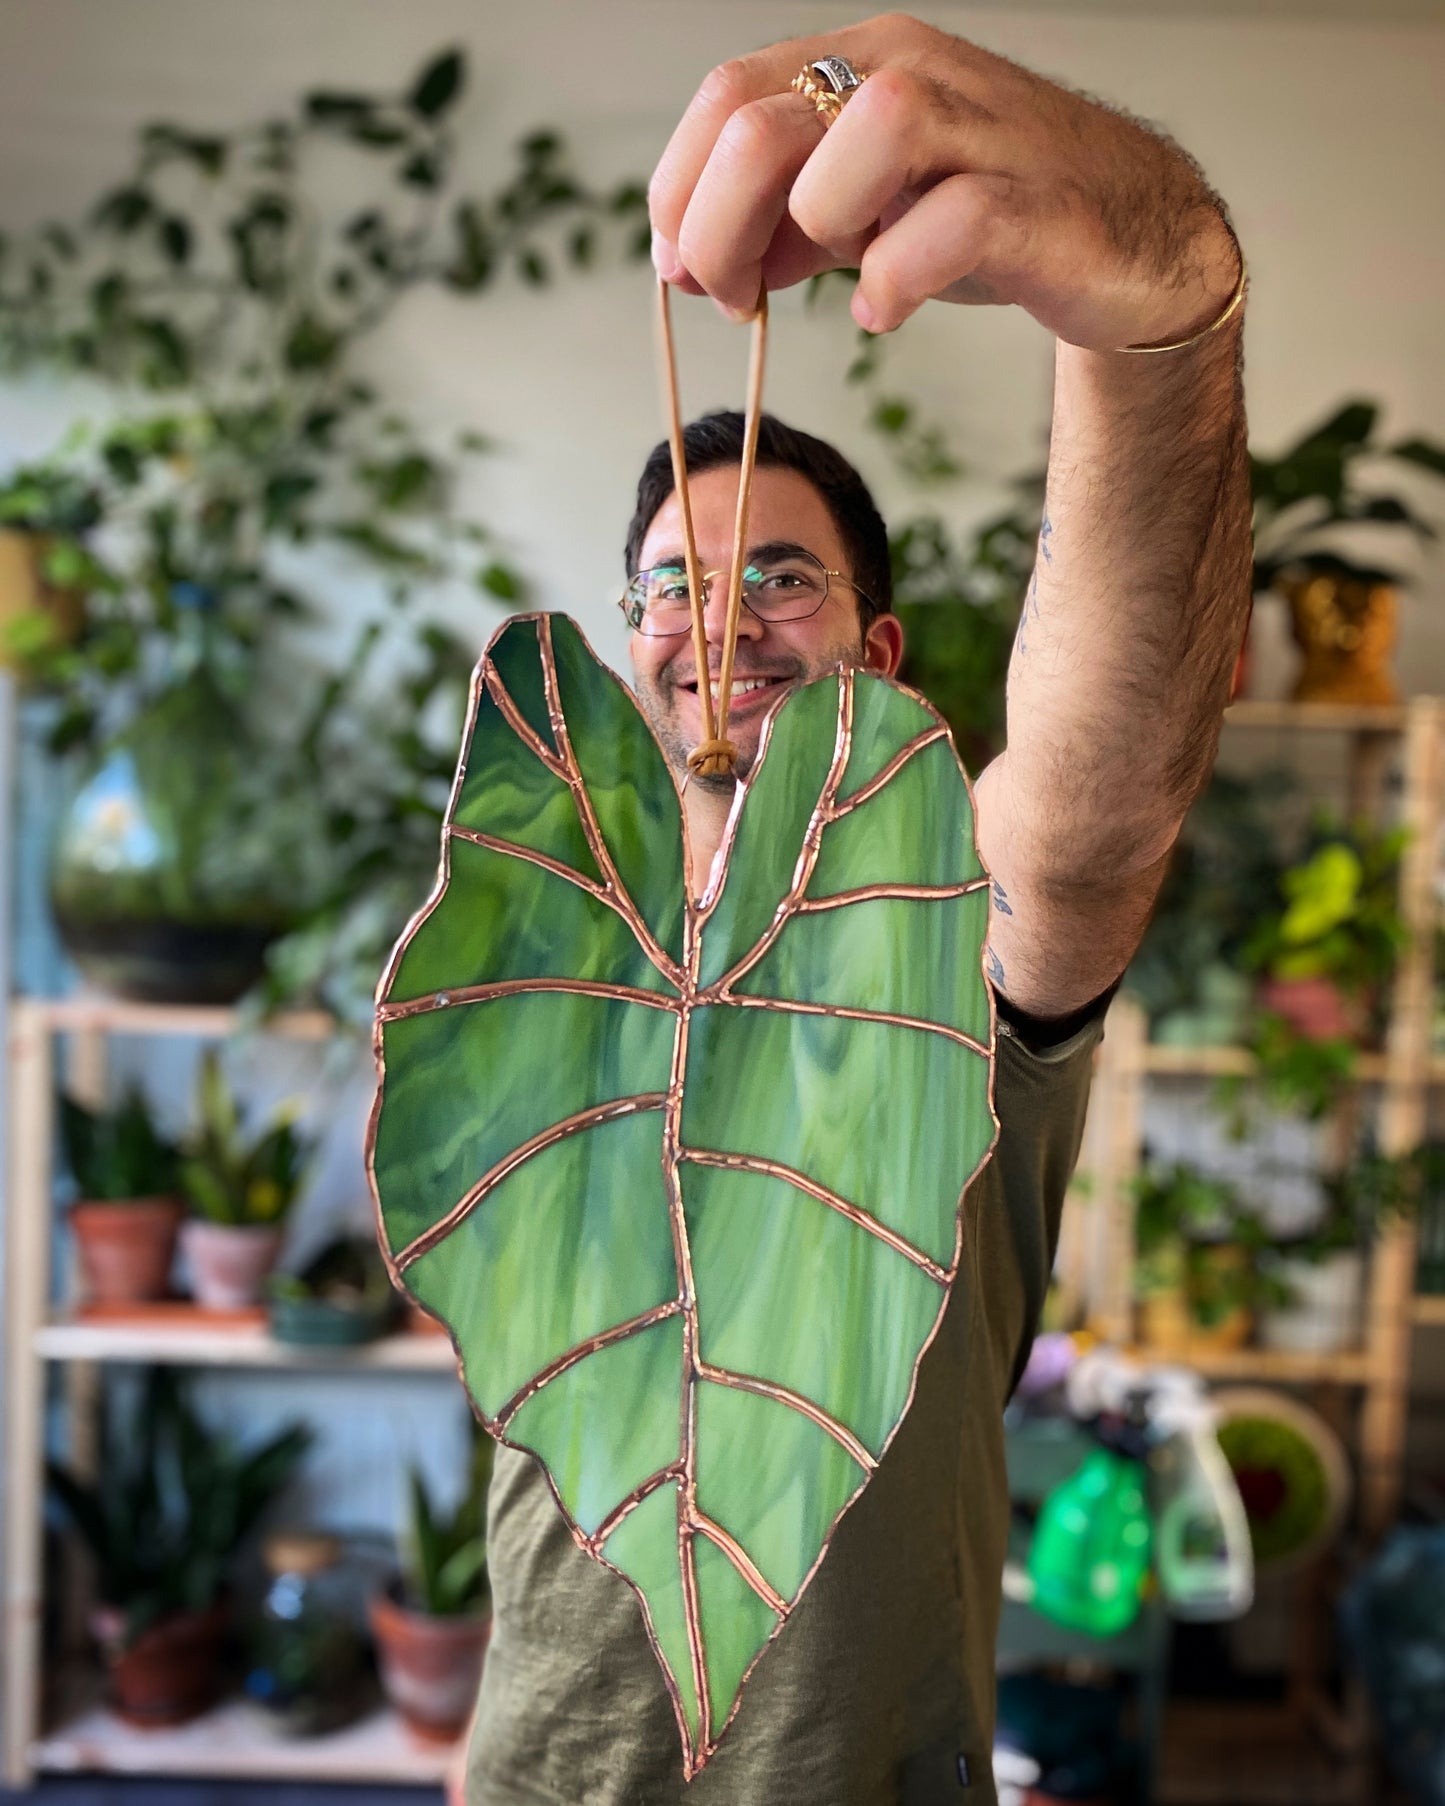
<point>879,1691</point>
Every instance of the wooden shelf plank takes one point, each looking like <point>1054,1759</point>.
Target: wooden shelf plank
<point>91,1012</point>
<point>1429,1308</point>
<point>1350,1367</point>
<point>248,1345</point>
<point>1318,716</point>
<point>236,1740</point>
<point>1217,1062</point>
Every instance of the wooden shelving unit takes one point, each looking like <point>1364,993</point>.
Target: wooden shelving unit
<point>1364,1390</point>
<point>1399,1080</point>
<point>43,1334</point>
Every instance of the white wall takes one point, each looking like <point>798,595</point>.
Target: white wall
<point>1324,135</point>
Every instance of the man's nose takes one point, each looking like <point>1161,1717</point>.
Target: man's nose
<point>715,612</point>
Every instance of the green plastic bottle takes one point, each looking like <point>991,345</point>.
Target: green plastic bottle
<point>1089,1558</point>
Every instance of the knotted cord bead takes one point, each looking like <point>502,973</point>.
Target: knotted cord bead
<point>713,759</point>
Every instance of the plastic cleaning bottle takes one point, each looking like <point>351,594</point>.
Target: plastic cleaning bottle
<point>1089,1558</point>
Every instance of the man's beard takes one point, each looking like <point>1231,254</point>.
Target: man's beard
<point>658,699</point>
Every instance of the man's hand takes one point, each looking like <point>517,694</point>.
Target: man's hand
<point>951,174</point>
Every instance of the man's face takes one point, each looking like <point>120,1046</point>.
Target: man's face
<point>785,509</point>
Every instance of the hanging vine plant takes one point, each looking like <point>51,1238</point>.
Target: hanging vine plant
<point>226,301</point>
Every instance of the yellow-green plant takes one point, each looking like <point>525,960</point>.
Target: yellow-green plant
<point>230,1178</point>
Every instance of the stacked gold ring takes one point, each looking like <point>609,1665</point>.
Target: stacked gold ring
<point>829,83</point>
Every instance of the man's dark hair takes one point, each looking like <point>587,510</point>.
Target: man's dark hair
<point>716,439</point>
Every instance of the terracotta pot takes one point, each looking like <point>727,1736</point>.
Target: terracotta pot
<point>430,1667</point>
<point>1346,631</point>
<point>229,1262</point>
<point>170,1673</point>
<point>125,1246</point>
<point>1313,1007</point>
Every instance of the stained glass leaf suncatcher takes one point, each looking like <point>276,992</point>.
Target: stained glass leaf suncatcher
<point>683,1178</point>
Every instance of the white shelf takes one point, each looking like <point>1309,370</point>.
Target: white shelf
<point>235,1740</point>
<point>94,1012</point>
<point>205,1345</point>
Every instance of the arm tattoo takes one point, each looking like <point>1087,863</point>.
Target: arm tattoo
<point>1000,899</point>
<point>1030,610</point>
<point>993,965</point>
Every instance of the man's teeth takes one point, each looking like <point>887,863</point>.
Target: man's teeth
<point>741,686</point>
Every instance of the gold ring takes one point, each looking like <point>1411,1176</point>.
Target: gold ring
<point>830,83</point>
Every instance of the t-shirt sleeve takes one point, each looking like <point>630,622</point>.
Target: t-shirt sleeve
<point>1040,1096</point>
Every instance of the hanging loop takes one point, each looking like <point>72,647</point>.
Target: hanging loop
<point>716,755</point>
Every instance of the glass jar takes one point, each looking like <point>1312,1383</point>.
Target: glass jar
<point>307,1649</point>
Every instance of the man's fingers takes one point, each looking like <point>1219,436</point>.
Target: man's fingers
<point>962,229</point>
<point>899,131</point>
<point>741,196</point>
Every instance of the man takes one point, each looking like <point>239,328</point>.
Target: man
<point>949,174</point>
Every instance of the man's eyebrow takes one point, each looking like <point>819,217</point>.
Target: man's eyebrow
<point>766,553</point>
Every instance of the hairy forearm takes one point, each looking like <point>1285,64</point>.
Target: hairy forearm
<point>1135,613</point>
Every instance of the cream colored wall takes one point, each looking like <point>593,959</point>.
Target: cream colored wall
<point>1325,137</point>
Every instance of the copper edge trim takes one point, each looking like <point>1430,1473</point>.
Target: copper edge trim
<point>795,1401</point>
<point>790,1007</point>
<point>808,853</point>
<point>888,772</point>
<point>624,1508</point>
<point>742,1561</point>
<point>875,893</point>
<point>591,827</point>
<point>489,1181</point>
<point>862,1219</point>
<point>520,726</point>
<point>659,1313</point>
<point>519,987</point>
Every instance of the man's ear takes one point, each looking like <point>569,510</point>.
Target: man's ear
<point>883,645</point>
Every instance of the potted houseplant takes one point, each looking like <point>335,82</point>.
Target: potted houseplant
<point>1309,515</point>
<point>1194,1244</point>
<point>342,1296</point>
<point>171,1508</point>
<point>433,1622</point>
<point>240,1190</point>
<point>1319,1277</point>
<point>1335,933</point>
<point>128,1210</point>
<point>46,514</point>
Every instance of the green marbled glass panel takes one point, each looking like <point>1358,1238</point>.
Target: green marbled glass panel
<point>770,835</point>
<point>736,1624</point>
<point>885,718</point>
<point>559,1423</point>
<point>560,1053</point>
<point>891,1119</point>
<point>644,1548</point>
<point>917,830</point>
<point>895,955</point>
<point>503,918</point>
<point>575,1241</point>
<point>790,1291</point>
<point>629,782</point>
<point>546,1242</point>
<point>780,1499</point>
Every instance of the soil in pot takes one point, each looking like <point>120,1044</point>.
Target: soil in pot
<point>229,1262</point>
<point>171,1672</point>
<point>124,1247</point>
<point>430,1667</point>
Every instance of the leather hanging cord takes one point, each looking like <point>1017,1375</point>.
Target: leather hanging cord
<point>716,756</point>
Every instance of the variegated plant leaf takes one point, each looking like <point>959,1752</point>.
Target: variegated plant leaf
<point>683,1179</point>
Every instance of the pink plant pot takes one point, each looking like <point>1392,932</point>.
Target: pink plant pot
<point>229,1262</point>
<point>1313,1007</point>
<point>430,1667</point>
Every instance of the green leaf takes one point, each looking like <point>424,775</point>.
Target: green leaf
<point>1423,452</point>
<point>588,1081</point>
<point>438,85</point>
<point>501,581</point>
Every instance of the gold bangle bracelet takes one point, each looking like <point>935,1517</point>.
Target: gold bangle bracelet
<point>1231,307</point>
